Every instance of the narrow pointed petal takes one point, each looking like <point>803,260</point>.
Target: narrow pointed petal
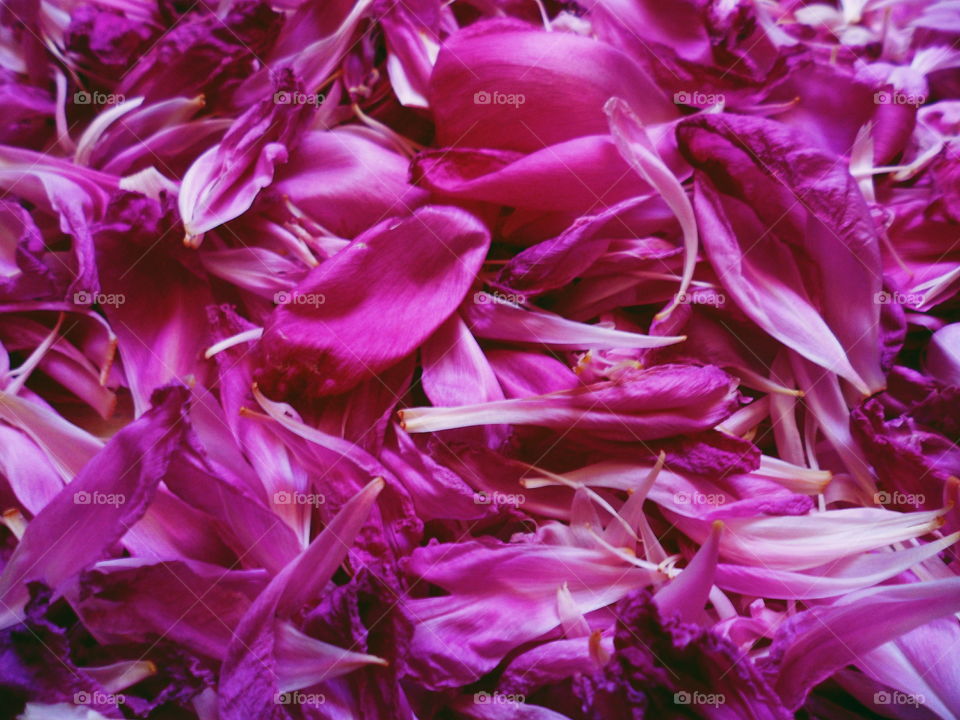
<point>655,403</point>
<point>250,677</point>
<point>839,577</point>
<point>493,318</point>
<point>687,594</point>
<point>303,661</point>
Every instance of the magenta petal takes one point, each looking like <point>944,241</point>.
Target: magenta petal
<point>546,98</point>
<point>108,496</point>
<point>153,300</point>
<point>662,401</point>
<point>492,317</point>
<point>790,236</point>
<point>555,262</point>
<point>250,678</point>
<point>839,577</point>
<point>815,643</point>
<point>943,355</point>
<point>132,602</point>
<point>686,595</point>
<point>523,374</point>
<point>346,182</point>
<point>456,371</point>
<point>339,328</point>
<point>224,181</point>
<point>501,596</point>
<point>28,471</point>
<point>582,174</point>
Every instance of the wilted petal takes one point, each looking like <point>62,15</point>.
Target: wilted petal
<point>108,496</point>
<point>251,671</point>
<point>788,232</point>
<point>663,401</point>
<point>224,181</point>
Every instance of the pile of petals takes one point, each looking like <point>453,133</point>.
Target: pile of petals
<point>479,359</point>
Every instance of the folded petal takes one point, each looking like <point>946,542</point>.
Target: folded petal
<point>789,234</point>
<point>578,175</point>
<point>224,181</point>
<point>346,182</point>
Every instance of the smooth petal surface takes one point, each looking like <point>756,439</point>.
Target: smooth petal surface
<point>337,330</point>
<point>546,99</point>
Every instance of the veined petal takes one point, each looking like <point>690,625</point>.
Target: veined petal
<point>749,175</point>
<point>493,318</point>
<point>662,401</point>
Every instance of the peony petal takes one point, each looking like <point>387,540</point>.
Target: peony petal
<point>336,331</point>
